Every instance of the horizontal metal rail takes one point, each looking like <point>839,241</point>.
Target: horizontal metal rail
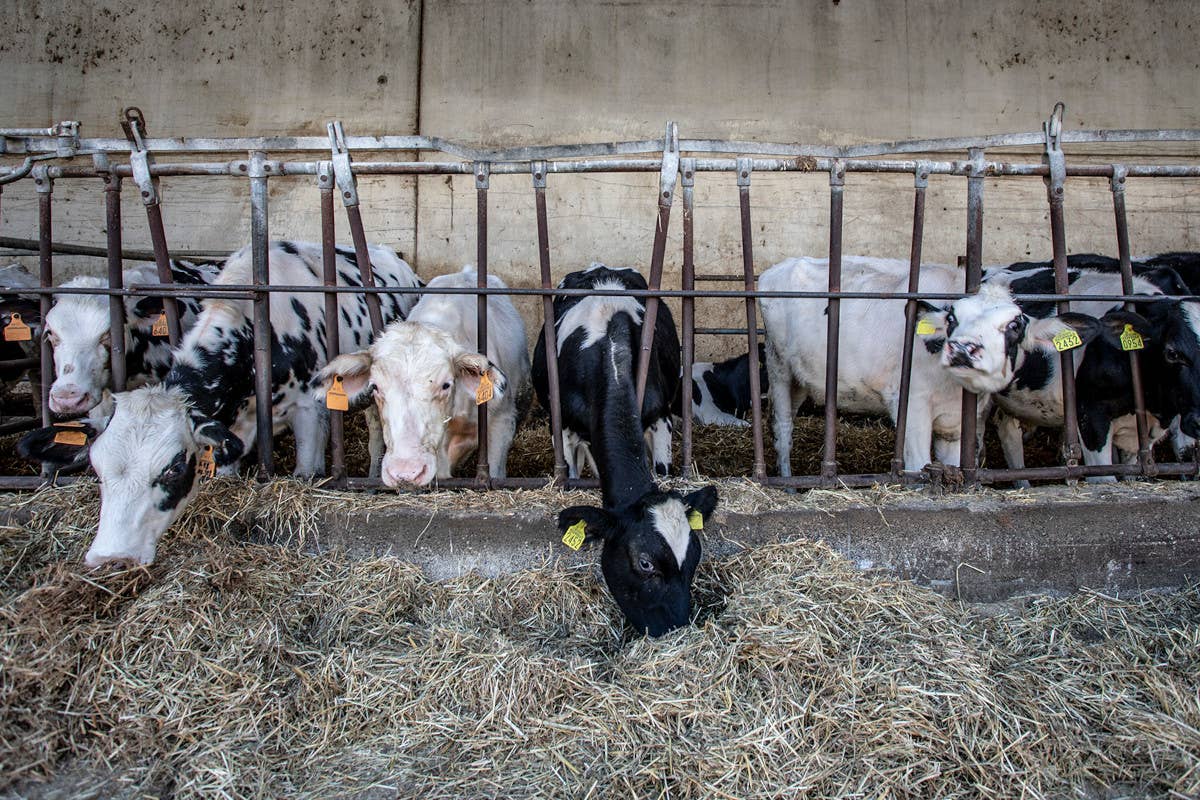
<point>32,246</point>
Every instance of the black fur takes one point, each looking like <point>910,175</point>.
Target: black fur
<point>176,480</point>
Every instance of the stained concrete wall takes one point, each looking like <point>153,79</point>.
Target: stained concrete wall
<point>503,73</point>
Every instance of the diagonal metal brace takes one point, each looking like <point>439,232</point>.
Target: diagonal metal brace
<point>342,173</point>
<point>1053,155</point>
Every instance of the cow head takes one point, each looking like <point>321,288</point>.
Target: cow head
<point>1174,344</point>
<point>650,554</point>
<point>145,455</point>
<point>981,339</point>
<point>424,384</point>
<point>78,329</point>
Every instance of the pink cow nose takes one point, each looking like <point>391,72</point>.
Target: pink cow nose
<point>94,560</point>
<point>69,401</point>
<point>406,470</point>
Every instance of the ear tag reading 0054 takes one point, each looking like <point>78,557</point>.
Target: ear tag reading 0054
<point>16,330</point>
<point>1067,340</point>
<point>485,392</point>
<point>206,467</point>
<point>1131,339</point>
<point>695,520</point>
<point>573,538</point>
<point>335,398</point>
<point>160,326</point>
<point>925,327</point>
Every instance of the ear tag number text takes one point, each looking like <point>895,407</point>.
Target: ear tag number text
<point>160,325</point>
<point>336,398</point>
<point>1131,339</point>
<point>1067,340</point>
<point>573,538</point>
<point>485,391</point>
<point>16,330</point>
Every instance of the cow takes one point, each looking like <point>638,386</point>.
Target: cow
<point>581,322</point>
<point>424,374</point>
<point>146,452</point>
<point>27,306</point>
<point>721,391</point>
<point>976,345</point>
<point>650,545</point>
<point>78,328</point>
<point>1103,377</point>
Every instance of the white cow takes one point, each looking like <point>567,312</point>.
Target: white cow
<point>966,351</point>
<point>424,373</point>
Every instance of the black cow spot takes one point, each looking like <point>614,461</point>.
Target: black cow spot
<point>176,480</point>
<point>697,397</point>
<point>301,314</point>
<point>1035,372</point>
<point>289,248</point>
<point>934,344</point>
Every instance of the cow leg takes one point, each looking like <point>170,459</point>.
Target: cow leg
<point>501,429</point>
<point>1096,440</point>
<point>572,452</point>
<point>374,442</point>
<point>311,438</point>
<point>659,436</point>
<point>948,451</point>
<point>1012,442</point>
<point>918,433</point>
<point>783,410</point>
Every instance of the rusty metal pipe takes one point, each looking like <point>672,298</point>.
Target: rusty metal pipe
<point>687,168</point>
<point>259,249</point>
<point>910,319</point>
<point>837,177</point>
<point>743,181</point>
<point>968,443</point>
<point>116,306</point>
<point>482,174</point>
<point>333,344</point>
<point>45,188</point>
<point>549,334</point>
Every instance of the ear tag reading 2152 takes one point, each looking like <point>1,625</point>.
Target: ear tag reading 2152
<point>1131,339</point>
<point>16,330</point>
<point>335,398</point>
<point>1067,340</point>
<point>573,538</point>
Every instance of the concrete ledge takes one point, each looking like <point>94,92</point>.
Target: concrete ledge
<point>979,546</point>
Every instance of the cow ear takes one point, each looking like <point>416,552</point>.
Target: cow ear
<point>227,448</point>
<point>354,370</point>
<point>59,447</point>
<point>1112,325</point>
<point>469,368</point>
<point>145,312</point>
<point>931,316</point>
<point>599,524</point>
<point>703,500</point>
<point>1040,333</point>
<point>30,311</point>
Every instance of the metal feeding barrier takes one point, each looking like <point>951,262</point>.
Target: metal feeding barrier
<point>677,161</point>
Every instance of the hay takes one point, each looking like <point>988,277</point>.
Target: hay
<point>242,670</point>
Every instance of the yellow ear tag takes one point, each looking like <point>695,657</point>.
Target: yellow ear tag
<point>573,538</point>
<point>73,438</point>
<point>925,327</point>
<point>16,330</point>
<point>160,326</point>
<point>336,398</point>
<point>206,466</point>
<point>485,392</point>
<point>1131,339</point>
<point>1067,340</point>
<point>695,520</point>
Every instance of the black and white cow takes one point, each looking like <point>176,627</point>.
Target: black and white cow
<point>976,347</point>
<point>650,543</point>
<point>721,390</point>
<point>1103,377</point>
<point>78,328</point>
<point>581,323</point>
<point>145,453</point>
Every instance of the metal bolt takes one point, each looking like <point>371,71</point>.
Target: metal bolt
<point>1058,190</point>
<point>145,194</point>
<point>346,194</point>
<point>687,175</point>
<point>666,194</point>
<point>537,175</point>
<point>924,175</point>
<point>241,167</point>
<point>745,174</point>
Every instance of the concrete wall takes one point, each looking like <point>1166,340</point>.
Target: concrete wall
<point>501,73</point>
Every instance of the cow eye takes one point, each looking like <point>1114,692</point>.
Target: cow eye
<point>646,565</point>
<point>446,386</point>
<point>1173,356</point>
<point>1014,324</point>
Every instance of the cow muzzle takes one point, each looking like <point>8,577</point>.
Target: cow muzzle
<point>961,354</point>
<point>413,471</point>
<point>70,400</point>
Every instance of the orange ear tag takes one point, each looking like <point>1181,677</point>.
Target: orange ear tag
<point>206,466</point>
<point>485,390</point>
<point>335,398</point>
<point>160,326</point>
<point>16,330</point>
<point>73,438</point>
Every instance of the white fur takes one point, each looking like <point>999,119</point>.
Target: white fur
<point>671,523</point>
<point>593,314</point>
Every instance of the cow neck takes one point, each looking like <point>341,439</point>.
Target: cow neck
<point>617,441</point>
<point>215,380</point>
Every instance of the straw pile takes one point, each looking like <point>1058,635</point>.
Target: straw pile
<point>239,670</point>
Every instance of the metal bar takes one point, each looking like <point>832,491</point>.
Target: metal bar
<point>743,182</point>
<point>45,190</point>
<point>666,192</point>
<point>716,278</point>
<point>549,334</point>
<point>728,331</point>
<point>468,483</point>
<point>968,443</point>
<point>148,188</point>
<point>482,173</point>
<point>344,177</point>
<point>59,248</point>
<point>920,183</point>
<point>837,178</point>
<point>21,363</point>
<point>116,305</point>
<point>19,426</point>
<point>1145,453</point>
<point>687,168</point>
<point>333,345</point>
<point>259,249</point>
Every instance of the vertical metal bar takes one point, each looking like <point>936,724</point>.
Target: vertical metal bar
<point>1055,181</point>
<point>549,335</point>
<point>162,261</point>
<point>1145,453</point>
<point>920,182</point>
<point>259,247</point>
<point>687,168</point>
<point>116,304</point>
<point>968,443</point>
<point>348,186</point>
<point>837,182</point>
<point>666,193</point>
<point>482,176</point>
<point>744,167</point>
<point>45,189</point>
<point>333,346</point>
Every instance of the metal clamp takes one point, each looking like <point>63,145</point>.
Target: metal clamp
<point>538,170</point>
<point>745,166</point>
<point>342,171</point>
<point>921,175</point>
<point>134,125</point>
<point>67,133</point>
<point>687,171</point>
<point>42,179</point>
<point>1053,156</point>
<point>837,173</point>
<point>483,174</point>
<point>1117,182</point>
<point>670,164</point>
<point>325,175</point>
